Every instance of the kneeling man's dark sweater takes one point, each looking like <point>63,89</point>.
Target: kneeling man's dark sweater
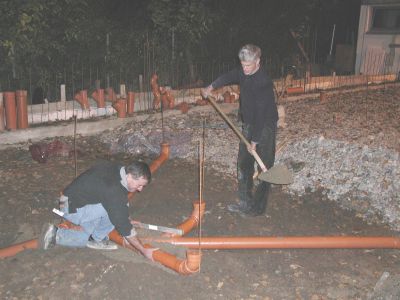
<point>102,184</point>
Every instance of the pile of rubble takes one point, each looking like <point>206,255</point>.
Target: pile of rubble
<point>359,177</point>
<point>348,147</point>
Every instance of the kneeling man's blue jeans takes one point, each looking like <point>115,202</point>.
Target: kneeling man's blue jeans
<point>94,221</point>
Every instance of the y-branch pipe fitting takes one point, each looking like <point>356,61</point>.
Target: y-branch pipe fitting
<point>82,98</point>
<point>120,107</point>
<point>98,96</point>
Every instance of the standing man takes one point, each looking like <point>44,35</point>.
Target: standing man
<point>97,201</point>
<point>259,116</point>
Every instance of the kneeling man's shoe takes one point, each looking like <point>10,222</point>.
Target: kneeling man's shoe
<point>101,245</point>
<point>47,237</point>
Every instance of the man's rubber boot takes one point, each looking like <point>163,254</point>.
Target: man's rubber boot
<point>240,207</point>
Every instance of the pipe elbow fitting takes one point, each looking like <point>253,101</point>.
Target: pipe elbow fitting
<point>194,219</point>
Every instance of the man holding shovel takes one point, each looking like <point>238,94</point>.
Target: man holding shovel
<point>259,116</point>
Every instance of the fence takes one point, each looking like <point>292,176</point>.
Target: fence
<point>59,99</point>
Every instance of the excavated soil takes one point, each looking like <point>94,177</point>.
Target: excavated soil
<point>29,192</point>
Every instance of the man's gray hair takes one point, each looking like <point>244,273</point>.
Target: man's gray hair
<point>249,52</point>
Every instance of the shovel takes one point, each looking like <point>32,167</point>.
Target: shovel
<point>278,174</point>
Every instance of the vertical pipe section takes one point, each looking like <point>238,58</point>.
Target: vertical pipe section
<point>11,110</point>
<point>131,103</point>
<point>22,109</point>
<point>2,123</point>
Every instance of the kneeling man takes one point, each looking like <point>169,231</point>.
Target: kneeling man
<point>97,201</point>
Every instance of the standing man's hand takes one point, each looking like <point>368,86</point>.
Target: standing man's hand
<point>252,150</point>
<point>205,92</point>
<point>252,147</point>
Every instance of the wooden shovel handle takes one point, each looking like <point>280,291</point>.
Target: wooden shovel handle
<point>237,131</point>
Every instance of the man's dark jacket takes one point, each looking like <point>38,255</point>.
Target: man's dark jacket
<point>102,184</point>
<point>257,99</point>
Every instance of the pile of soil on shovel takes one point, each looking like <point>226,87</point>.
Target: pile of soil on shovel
<point>29,191</point>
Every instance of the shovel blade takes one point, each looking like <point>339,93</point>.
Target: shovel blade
<point>278,174</point>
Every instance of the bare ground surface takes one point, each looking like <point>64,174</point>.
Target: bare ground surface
<point>29,190</point>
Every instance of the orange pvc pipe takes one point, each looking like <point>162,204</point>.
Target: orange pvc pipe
<point>14,249</point>
<point>295,90</point>
<point>98,96</point>
<point>156,91</point>
<point>130,107</point>
<point>110,95</point>
<point>2,124</point>
<point>22,109</point>
<point>82,98</point>
<point>187,266</point>
<point>193,220</point>
<point>114,235</point>
<point>120,107</point>
<point>164,155</point>
<point>11,110</point>
<point>296,242</point>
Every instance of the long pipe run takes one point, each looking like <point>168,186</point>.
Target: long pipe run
<point>294,242</point>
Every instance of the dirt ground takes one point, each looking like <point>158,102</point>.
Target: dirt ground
<point>29,191</point>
